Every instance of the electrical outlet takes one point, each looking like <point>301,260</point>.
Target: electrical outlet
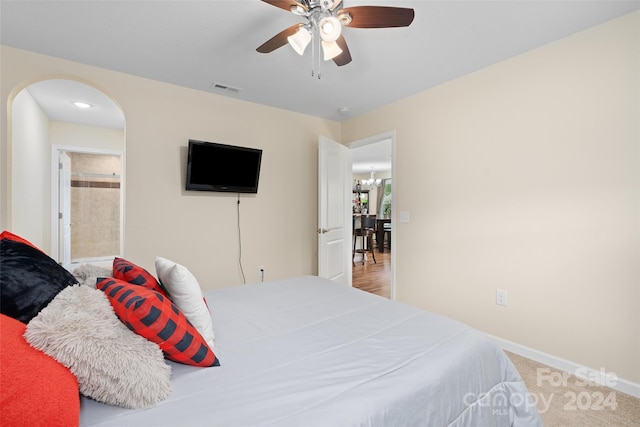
<point>501,297</point>
<point>261,273</point>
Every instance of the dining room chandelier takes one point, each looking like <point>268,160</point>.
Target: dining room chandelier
<point>372,181</point>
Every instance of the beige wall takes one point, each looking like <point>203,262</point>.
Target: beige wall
<point>198,229</point>
<point>91,137</point>
<point>525,176</point>
<point>31,204</point>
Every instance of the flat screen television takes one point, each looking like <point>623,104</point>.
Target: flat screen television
<point>224,168</point>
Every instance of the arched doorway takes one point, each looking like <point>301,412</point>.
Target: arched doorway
<point>67,174</point>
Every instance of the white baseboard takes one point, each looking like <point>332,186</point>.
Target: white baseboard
<point>597,376</point>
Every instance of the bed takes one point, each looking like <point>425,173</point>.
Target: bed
<point>306,351</point>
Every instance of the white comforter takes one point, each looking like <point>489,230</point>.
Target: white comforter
<point>309,352</point>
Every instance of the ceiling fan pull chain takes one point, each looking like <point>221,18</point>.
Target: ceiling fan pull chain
<point>313,54</point>
<point>316,59</point>
<point>319,53</point>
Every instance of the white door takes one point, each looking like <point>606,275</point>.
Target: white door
<point>334,214</point>
<point>64,209</point>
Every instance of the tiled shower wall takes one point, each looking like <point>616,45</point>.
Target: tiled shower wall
<point>95,205</point>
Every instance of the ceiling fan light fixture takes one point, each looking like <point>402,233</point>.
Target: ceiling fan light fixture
<point>300,40</point>
<point>298,9</point>
<point>345,18</point>
<point>323,27</point>
<point>330,28</point>
<point>330,49</point>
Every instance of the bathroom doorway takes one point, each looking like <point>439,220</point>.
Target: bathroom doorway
<point>89,210</point>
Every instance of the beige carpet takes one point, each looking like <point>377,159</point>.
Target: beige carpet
<point>565,400</point>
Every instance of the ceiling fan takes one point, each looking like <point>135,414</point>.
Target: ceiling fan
<point>326,19</point>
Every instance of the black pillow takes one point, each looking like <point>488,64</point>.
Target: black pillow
<point>29,278</point>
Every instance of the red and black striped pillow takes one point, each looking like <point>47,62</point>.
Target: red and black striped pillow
<point>129,272</point>
<point>153,316</point>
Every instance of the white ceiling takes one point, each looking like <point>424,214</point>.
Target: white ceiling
<point>198,44</point>
<point>56,98</point>
<point>375,157</point>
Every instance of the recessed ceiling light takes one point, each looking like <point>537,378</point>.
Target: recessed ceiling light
<point>81,104</point>
<point>344,110</point>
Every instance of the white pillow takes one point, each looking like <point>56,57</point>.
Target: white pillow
<point>184,291</point>
<point>113,365</point>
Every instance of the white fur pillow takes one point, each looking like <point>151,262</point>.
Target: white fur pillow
<point>184,291</point>
<point>87,274</point>
<point>113,365</point>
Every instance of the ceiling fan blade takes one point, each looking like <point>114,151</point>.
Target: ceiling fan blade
<point>278,40</point>
<point>282,4</point>
<point>379,16</point>
<point>345,57</point>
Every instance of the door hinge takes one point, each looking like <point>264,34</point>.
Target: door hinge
<point>59,215</point>
<point>59,165</point>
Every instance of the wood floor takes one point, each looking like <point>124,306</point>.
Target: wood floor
<point>373,277</point>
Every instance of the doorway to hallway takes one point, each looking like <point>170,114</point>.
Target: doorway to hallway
<point>372,173</point>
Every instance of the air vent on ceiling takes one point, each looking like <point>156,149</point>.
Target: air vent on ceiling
<point>225,88</point>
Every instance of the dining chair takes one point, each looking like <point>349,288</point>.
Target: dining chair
<point>365,231</point>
